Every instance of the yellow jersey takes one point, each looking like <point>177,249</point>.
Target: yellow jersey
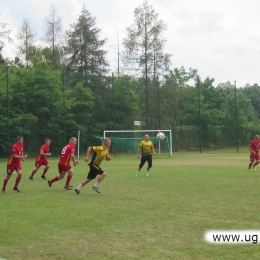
<point>146,147</point>
<point>99,154</point>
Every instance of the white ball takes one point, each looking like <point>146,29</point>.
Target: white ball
<point>160,136</point>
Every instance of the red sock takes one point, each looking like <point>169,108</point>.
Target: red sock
<point>33,172</point>
<point>57,178</point>
<point>68,180</point>
<point>255,164</point>
<point>5,182</point>
<point>250,165</point>
<point>19,177</point>
<point>44,171</point>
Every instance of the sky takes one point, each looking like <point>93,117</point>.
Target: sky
<point>220,39</point>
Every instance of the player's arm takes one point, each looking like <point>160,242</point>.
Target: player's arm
<point>15,155</point>
<point>88,153</point>
<point>44,154</point>
<point>153,150</point>
<point>73,158</point>
<point>108,157</point>
<point>138,151</point>
<point>250,149</point>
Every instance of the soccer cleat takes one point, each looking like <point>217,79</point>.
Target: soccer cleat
<point>77,191</point>
<point>17,189</point>
<point>146,174</point>
<point>31,178</point>
<point>95,188</point>
<point>3,190</point>
<point>137,173</point>
<point>43,177</point>
<point>49,183</point>
<point>254,169</point>
<point>67,187</point>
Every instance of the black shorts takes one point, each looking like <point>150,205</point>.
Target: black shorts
<point>94,171</point>
<point>147,158</point>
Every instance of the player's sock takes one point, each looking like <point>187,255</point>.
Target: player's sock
<point>44,171</point>
<point>18,179</point>
<point>250,165</point>
<point>57,178</point>
<point>96,184</point>
<point>255,164</point>
<point>5,182</point>
<point>79,187</point>
<point>33,172</point>
<point>68,180</point>
<point>137,173</point>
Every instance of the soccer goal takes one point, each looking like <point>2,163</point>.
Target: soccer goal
<point>127,141</point>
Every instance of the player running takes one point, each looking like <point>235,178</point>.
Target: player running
<point>100,152</point>
<point>147,148</point>
<point>42,160</point>
<point>254,147</point>
<point>67,154</point>
<point>16,154</point>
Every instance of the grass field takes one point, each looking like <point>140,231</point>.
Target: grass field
<point>163,216</point>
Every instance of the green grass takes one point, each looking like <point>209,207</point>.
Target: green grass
<point>163,216</point>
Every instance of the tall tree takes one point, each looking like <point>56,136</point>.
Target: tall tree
<point>53,31</point>
<point>4,35</point>
<point>26,36</point>
<point>85,48</point>
<point>144,47</point>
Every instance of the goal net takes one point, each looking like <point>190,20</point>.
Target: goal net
<point>127,141</point>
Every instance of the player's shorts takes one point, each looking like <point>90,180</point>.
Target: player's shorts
<point>146,158</point>
<point>94,171</point>
<point>43,161</point>
<point>254,156</point>
<point>13,167</point>
<point>63,168</point>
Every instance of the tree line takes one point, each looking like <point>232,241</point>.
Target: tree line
<point>55,91</point>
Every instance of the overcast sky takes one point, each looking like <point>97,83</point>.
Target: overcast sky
<point>221,39</point>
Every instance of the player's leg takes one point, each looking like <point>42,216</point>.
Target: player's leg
<point>69,177</point>
<point>37,167</point>
<point>47,167</point>
<point>256,163</point>
<point>62,172</point>
<point>100,178</point>
<point>142,162</point>
<point>150,164</point>
<point>252,159</point>
<point>8,176</point>
<point>93,172</point>
<point>18,179</point>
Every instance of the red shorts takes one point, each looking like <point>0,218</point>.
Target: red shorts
<point>11,167</point>
<point>254,156</point>
<point>41,162</point>
<point>63,168</point>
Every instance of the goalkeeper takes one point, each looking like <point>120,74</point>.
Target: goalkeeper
<point>146,146</point>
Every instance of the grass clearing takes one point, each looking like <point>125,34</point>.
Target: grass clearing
<point>163,216</point>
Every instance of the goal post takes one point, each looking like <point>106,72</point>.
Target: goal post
<point>127,140</point>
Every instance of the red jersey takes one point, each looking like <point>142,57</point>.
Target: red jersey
<point>65,154</point>
<point>45,148</point>
<point>18,150</point>
<point>255,145</point>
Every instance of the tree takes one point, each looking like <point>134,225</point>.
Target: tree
<point>4,35</point>
<point>144,46</point>
<point>53,32</point>
<point>85,48</point>
<point>26,36</point>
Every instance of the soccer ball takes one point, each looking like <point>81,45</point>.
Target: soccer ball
<point>160,136</point>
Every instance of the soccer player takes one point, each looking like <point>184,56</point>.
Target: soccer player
<point>254,147</point>
<point>16,154</point>
<point>41,159</point>
<point>100,152</point>
<point>147,148</point>
<point>67,154</point>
